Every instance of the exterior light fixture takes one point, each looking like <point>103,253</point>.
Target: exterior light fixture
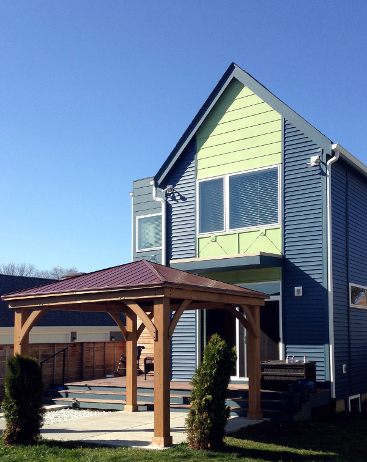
<point>314,161</point>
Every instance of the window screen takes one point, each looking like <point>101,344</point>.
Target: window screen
<point>149,232</point>
<point>253,199</point>
<point>211,213</point>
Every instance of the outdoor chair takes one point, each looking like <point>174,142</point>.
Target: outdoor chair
<point>148,365</point>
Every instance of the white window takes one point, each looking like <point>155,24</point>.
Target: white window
<point>237,201</point>
<point>357,296</point>
<point>149,232</point>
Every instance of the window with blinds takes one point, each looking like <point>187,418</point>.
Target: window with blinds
<point>253,199</point>
<point>238,201</point>
<point>211,209</point>
<point>149,232</point>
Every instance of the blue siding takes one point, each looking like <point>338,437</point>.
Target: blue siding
<point>181,206</point>
<point>304,318</point>
<point>340,278</point>
<point>181,243</point>
<point>356,219</point>
<point>144,204</point>
<point>183,348</point>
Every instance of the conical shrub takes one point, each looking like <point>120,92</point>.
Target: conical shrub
<point>208,414</point>
<point>22,405</point>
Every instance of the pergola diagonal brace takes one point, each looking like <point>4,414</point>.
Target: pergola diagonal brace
<point>255,329</point>
<point>120,324</point>
<point>239,316</point>
<point>142,326</point>
<point>143,317</point>
<point>177,316</point>
<point>33,318</point>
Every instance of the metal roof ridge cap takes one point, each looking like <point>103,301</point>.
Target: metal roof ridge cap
<point>156,272</point>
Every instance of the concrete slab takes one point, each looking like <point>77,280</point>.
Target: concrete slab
<point>134,429</point>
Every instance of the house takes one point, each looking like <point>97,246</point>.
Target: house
<point>254,195</point>
<point>55,326</point>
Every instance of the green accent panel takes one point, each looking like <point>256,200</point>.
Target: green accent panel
<point>212,120</point>
<point>264,240</point>
<point>233,146</point>
<point>240,124</point>
<point>241,165</point>
<point>241,132</point>
<point>256,240</point>
<point>247,134</point>
<point>214,246</point>
<point>243,276</point>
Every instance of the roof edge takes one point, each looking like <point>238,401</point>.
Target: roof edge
<point>350,159</point>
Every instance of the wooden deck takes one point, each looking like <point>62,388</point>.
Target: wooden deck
<point>120,382</point>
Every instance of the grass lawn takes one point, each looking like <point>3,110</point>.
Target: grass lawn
<point>339,438</point>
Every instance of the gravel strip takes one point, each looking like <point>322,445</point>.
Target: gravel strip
<point>63,415</point>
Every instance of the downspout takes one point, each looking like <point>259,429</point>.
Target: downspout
<point>329,273</point>
<point>163,202</point>
<point>132,225</point>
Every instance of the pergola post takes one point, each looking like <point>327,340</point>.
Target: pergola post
<point>253,362</point>
<point>20,317</point>
<point>131,363</point>
<point>162,437</point>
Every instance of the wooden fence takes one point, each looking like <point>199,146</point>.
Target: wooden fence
<point>83,360</point>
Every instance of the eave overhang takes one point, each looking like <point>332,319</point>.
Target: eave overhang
<point>228,263</point>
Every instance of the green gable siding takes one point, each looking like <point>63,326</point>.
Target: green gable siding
<point>240,133</point>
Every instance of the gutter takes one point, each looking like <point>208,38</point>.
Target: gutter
<point>163,203</point>
<point>330,268</point>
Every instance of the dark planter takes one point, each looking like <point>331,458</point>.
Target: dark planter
<point>300,388</point>
<point>291,402</point>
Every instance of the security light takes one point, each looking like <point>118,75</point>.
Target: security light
<point>314,161</point>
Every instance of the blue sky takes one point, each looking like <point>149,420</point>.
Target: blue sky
<point>95,94</point>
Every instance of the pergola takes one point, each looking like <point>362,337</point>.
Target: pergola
<point>148,291</point>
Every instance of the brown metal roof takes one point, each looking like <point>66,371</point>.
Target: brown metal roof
<point>136,274</point>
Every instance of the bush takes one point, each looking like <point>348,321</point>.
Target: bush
<point>208,414</point>
<point>22,405</point>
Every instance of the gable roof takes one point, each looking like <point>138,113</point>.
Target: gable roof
<point>246,79</point>
<point>131,275</point>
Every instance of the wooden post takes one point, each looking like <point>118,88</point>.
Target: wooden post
<point>162,427</point>
<point>253,361</point>
<point>20,317</point>
<point>131,361</point>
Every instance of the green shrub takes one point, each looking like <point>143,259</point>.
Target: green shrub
<point>208,414</point>
<point>22,405</point>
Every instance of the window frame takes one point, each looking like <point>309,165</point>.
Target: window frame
<point>137,232</point>
<point>226,177</point>
<point>351,305</point>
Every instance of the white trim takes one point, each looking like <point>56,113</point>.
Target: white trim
<point>359,402</point>
<point>137,232</point>
<point>226,177</point>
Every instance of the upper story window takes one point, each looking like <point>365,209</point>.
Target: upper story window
<point>237,201</point>
<point>358,296</point>
<point>149,232</point>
